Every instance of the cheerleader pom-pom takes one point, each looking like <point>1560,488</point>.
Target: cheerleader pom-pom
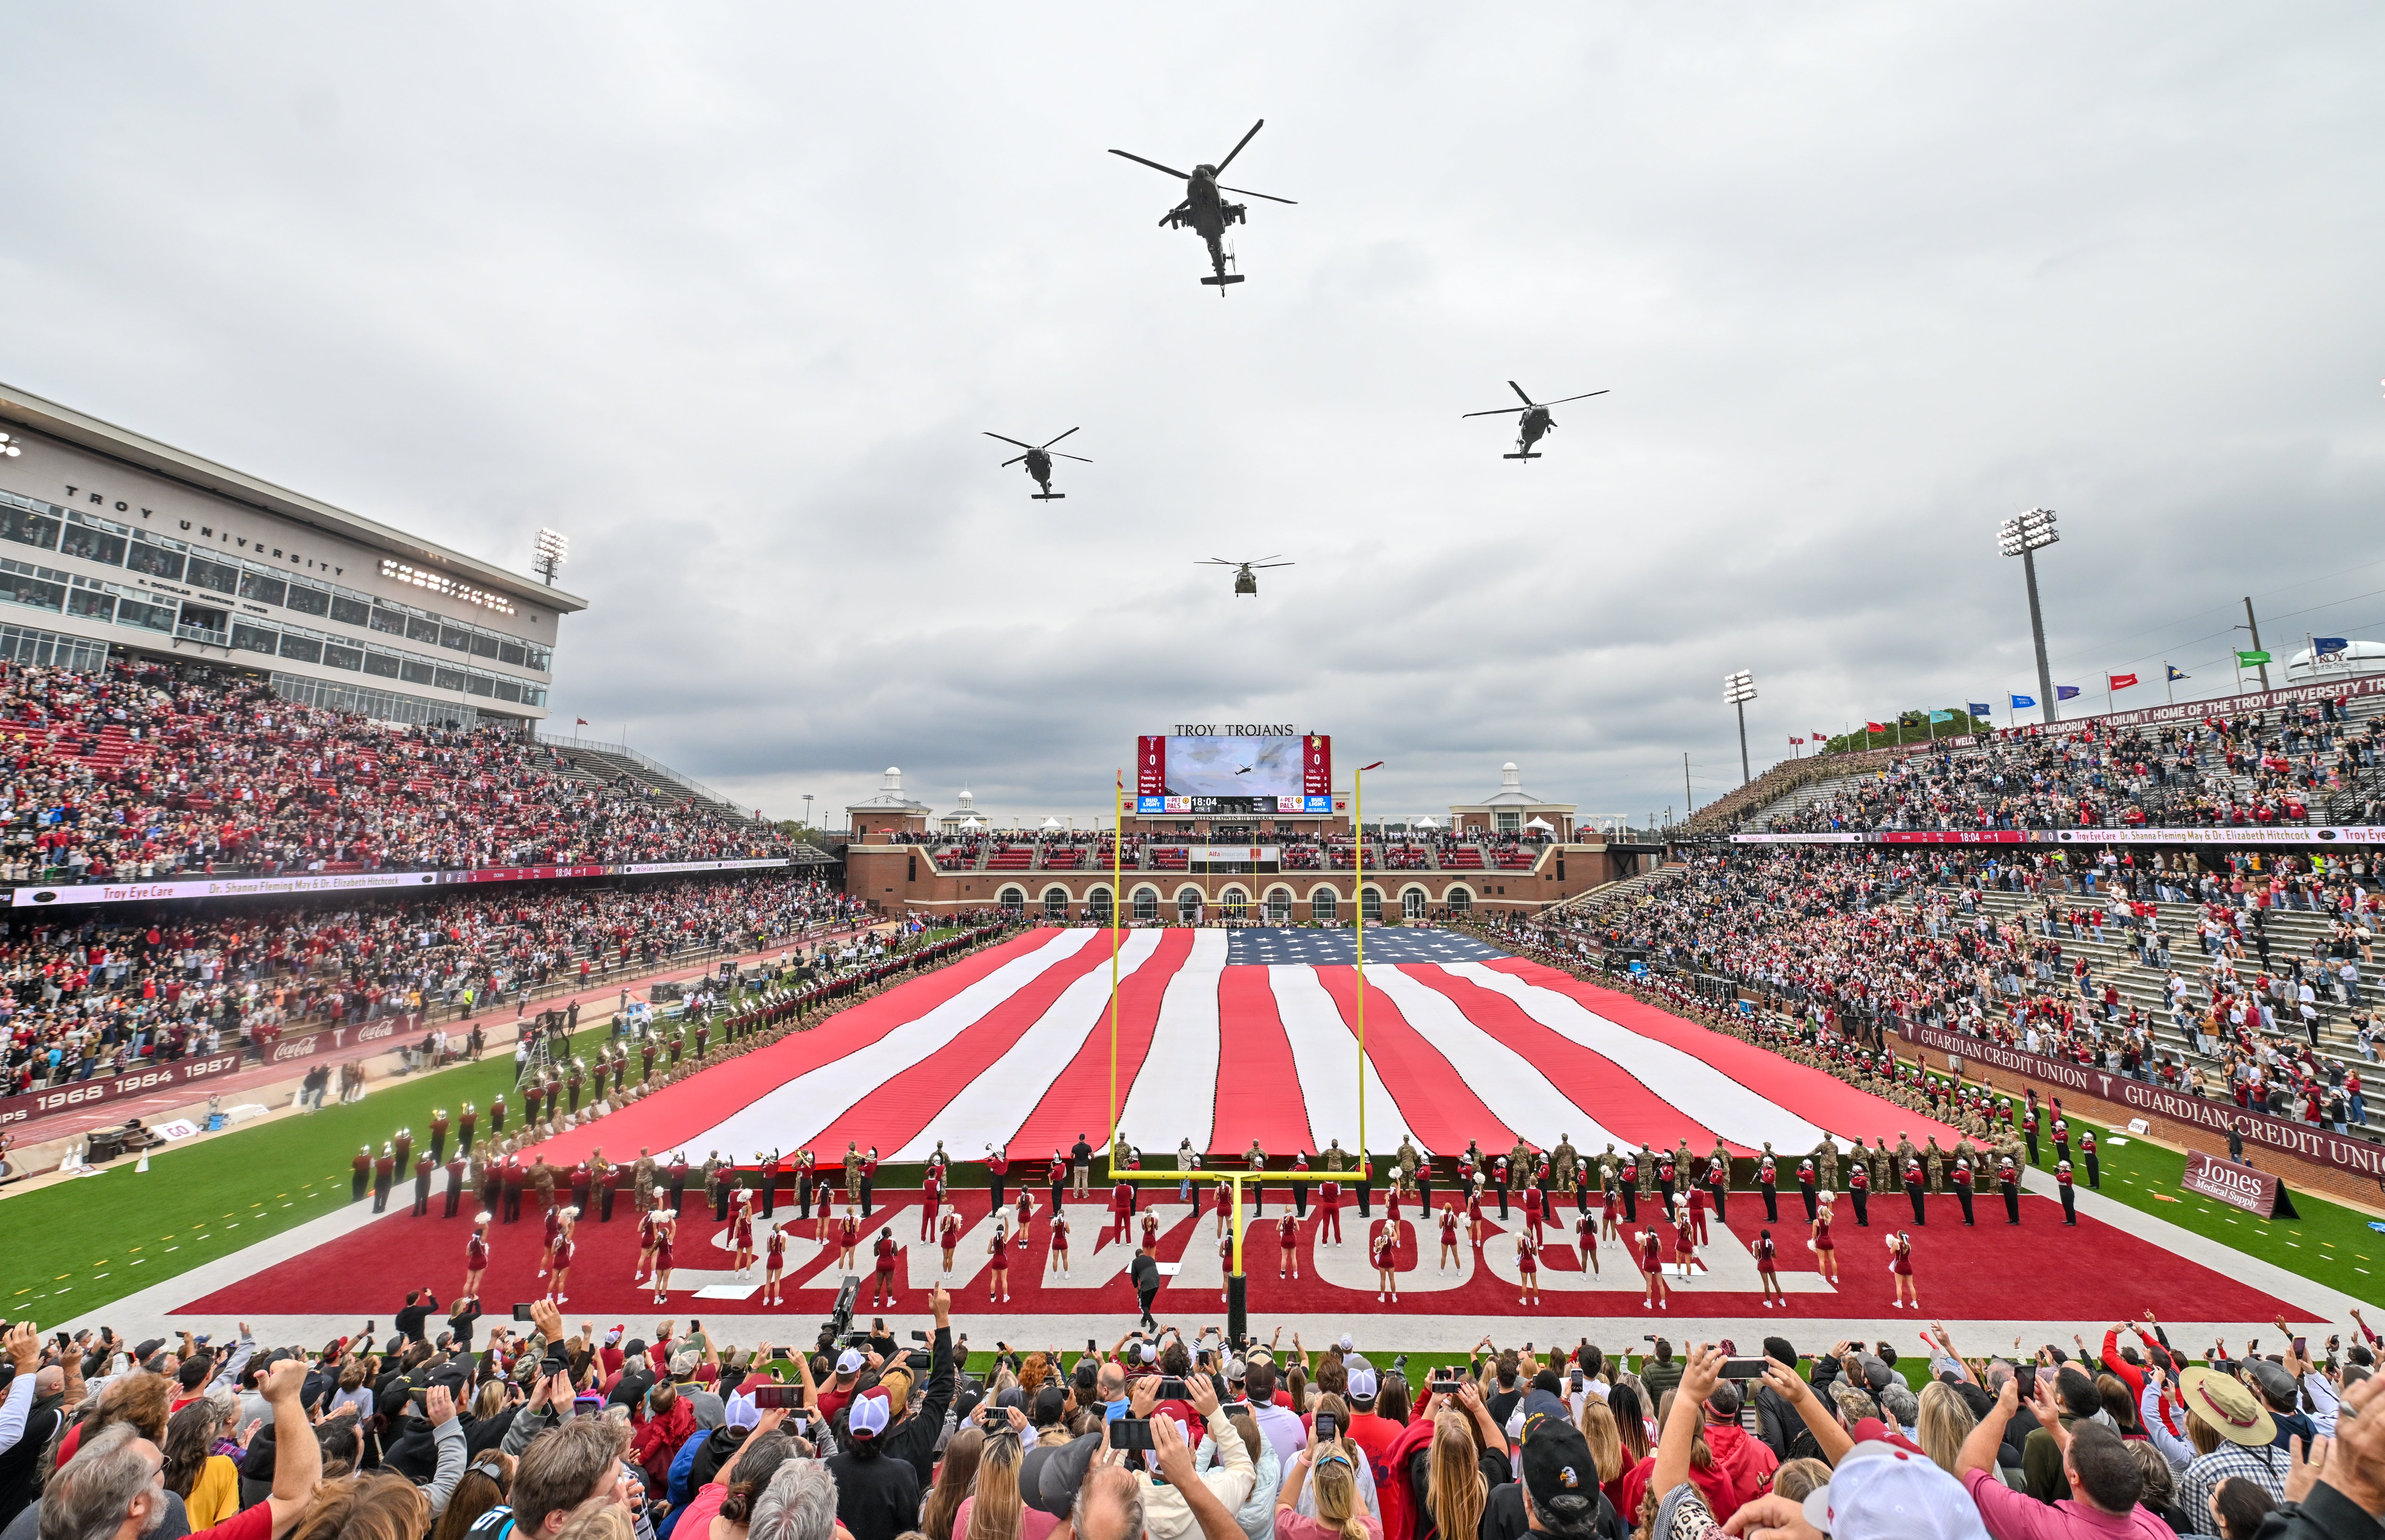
<point>1811,1247</point>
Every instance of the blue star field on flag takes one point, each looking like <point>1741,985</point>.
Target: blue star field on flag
<point>1340,948</point>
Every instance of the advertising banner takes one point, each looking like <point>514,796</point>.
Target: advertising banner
<point>651,868</point>
<point>293,885</point>
<point>321,1042</point>
<point>2255,1192</point>
<point>2302,1140</point>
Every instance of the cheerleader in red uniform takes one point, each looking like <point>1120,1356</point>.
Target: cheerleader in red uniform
<point>1532,1213</point>
<point>884,1252</point>
<point>1475,1230</point>
<point>951,1237</point>
<point>774,1262</point>
<point>664,1232</point>
<point>1826,1254</point>
<point>1150,1233</point>
<point>1585,1231</point>
<point>476,1256</point>
<point>1387,1261</point>
<point>741,1231</point>
<point>1060,1243</point>
<point>1286,1237</point>
<point>1767,1271</point>
<point>1026,1211</point>
<point>649,1227</point>
<point>848,1237</point>
<point>1900,1266</point>
<point>1610,1212</point>
<point>997,1267</point>
<point>1528,1264</point>
<point>1449,1257</point>
<point>554,1232</point>
<point>561,1254</point>
<point>1685,1238</point>
<point>1652,1270</point>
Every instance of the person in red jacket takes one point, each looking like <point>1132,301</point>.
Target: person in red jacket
<point>1122,1207</point>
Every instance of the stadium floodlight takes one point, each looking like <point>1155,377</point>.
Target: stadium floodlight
<point>8,447</point>
<point>554,549</point>
<point>2025,537</point>
<point>1738,690</point>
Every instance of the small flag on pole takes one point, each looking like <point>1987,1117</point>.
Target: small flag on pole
<point>2253,659</point>
<point>1875,728</point>
<point>1942,717</point>
<point>2177,674</point>
<point>2021,702</point>
<point>2329,647</point>
<point>1796,740</point>
<point>2121,681</point>
<point>2064,692</point>
<point>1980,708</point>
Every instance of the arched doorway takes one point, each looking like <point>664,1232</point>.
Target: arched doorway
<point>1323,906</point>
<point>1056,903</point>
<point>1235,902</point>
<point>1147,904</point>
<point>1097,906</point>
<point>1188,905</point>
<point>1279,906</point>
<point>1412,903</point>
<point>1013,900</point>
<point>1371,904</point>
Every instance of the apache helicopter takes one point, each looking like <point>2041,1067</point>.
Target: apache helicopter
<point>1246,579</point>
<point>1207,213</point>
<point>1038,463</point>
<point>1536,419</point>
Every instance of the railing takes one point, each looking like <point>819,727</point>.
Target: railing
<point>558,740</point>
<point>200,633</point>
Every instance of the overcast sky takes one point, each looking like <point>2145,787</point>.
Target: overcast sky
<point>727,293</point>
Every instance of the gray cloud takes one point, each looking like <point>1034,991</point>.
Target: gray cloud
<point>728,295</point>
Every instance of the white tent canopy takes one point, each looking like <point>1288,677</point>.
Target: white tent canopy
<point>1539,824</point>
<point>1052,824</point>
<point>1426,823</point>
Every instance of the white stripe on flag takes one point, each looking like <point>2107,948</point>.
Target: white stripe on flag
<point>1698,1089</point>
<point>1509,1084</point>
<point>794,1114</point>
<point>1325,1054</point>
<point>994,1105</point>
<point>1175,1094</point>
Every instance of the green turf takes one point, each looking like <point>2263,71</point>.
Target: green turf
<point>2330,1242</point>
<point>75,1246</point>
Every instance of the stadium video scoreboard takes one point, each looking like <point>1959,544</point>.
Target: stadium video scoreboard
<point>1239,772</point>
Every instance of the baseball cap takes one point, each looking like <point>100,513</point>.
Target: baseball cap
<point>870,1414</point>
<point>850,1361</point>
<point>1879,1490</point>
<point>1560,1477</point>
<point>1237,1371</point>
<point>1347,1344</point>
<point>1049,1475</point>
<point>739,1411</point>
<point>633,1347</point>
<point>1364,1382</point>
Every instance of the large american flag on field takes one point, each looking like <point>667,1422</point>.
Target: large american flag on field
<point>1224,1038</point>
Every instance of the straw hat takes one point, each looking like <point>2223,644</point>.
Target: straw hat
<point>2228,1406</point>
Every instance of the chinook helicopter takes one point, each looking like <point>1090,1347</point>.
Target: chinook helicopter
<point>1038,463</point>
<point>1535,422</point>
<point>1205,211</point>
<point>1246,580</point>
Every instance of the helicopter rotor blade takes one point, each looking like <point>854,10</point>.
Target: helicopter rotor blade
<point>1006,439</point>
<point>1049,443</point>
<point>1238,148</point>
<point>1216,561</point>
<point>1496,412</point>
<point>1269,566</point>
<point>1180,176</point>
<point>1268,196</point>
<point>1584,396</point>
<point>1079,458</point>
<point>1519,390</point>
<point>1012,461</point>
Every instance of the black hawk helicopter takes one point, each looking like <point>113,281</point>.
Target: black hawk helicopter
<point>1536,420</point>
<point>1038,463</point>
<point>1206,212</point>
<point>1246,579</point>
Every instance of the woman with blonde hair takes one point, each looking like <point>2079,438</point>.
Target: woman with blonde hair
<point>1331,1471</point>
<point>1598,1431</point>
<point>1454,1488</point>
<point>366,1508</point>
<point>994,1511</point>
<point>1946,1420</point>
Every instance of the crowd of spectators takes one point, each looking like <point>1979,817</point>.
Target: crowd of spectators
<point>82,994</point>
<point>542,1431</point>
<point>143,772</point>
<point>2260,769</point>
<point>1854,938</point>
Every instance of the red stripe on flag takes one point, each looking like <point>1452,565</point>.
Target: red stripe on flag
<point>890,1123</point>
<point>1258,1086</point>
<point>1432,1093</point>
<point>678,1113</point>
<point>1602,1088</point>
<point>1078,1101</point>
<point>1817,1095</point>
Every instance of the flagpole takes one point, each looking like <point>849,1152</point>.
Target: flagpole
<point>1118,885</point>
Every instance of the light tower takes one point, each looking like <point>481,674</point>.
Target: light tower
<point>2025,537</point>
<point>1738,690</point>
<point>552,550</point>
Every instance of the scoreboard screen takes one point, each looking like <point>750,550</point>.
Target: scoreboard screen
<point>1234,774</point>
